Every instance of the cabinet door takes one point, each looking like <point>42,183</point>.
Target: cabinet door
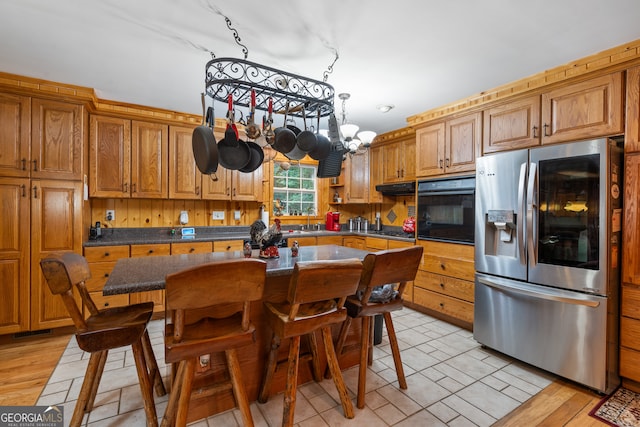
<point>391,156</point>
<point>227,245</point>
<point>462,136</point>
<point>375,174</point>
<point>430,150</point>
<point>109,157</point>
<point>247,186</point>
<point>584,110</point>
<point>217,186</point>
<point>185,180</point>
<point>15,114</point>
<point>56,226</point>
<point>357,178</point>
<point>513,125</point>
<point>191,248</point>
<point>149,160</point>
<point>14,255</point>
<point>631,229</point>
<point>56,140</point>
<point>632,126</point>
<point>157,297</point>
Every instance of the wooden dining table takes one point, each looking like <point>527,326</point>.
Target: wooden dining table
<point>142,274</point>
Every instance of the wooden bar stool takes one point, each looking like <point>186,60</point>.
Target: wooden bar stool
<point>392,267</point>
<point>315,300</point>
<point>102,331</point>
<point>208,311</point>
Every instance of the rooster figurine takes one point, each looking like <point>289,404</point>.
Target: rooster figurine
<point>266,238</point>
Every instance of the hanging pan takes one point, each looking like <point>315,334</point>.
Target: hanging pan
<point>203,143</point>
<point>257,156</point>
<point>285,139</point>
<point>233,153</point>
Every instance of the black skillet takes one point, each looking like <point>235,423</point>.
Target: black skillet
<point>203,143</point>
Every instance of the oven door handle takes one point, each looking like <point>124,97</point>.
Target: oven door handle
<point>539,294</point>
<point>447,193</point>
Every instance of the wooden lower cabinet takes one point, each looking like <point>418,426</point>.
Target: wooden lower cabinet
<point>630,336</point>
<point>355,242</point>
<point>408,294</point>
<point>444,286</point>
<point>227,245</point>
<point>191,248</point>
<point>157,297</point>
<point>101,261</point>
<point>329,240</point>
<point>302,241</point>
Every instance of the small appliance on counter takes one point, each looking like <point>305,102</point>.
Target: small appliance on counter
<point>95,232</point>
<point>333,221</point>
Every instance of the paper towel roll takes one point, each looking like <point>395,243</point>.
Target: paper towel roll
<point>264,216</point>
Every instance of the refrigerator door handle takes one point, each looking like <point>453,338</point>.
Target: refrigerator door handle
<point>531,243</point>
<point>539,294</point>
<point>520,213</point>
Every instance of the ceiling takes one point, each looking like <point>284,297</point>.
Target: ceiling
<point>413,55</point>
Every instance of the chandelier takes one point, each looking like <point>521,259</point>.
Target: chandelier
<point>352,139</point>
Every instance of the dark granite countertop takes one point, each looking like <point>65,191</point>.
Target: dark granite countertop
<point>148,273</point>
<point>139,236</point>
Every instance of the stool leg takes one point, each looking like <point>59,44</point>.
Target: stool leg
<point>145,384</point>
<point>85,391</point>
<point>315,360</point>
<point>332,360</point>
<point>292,383</point>
<point>96,381</point>
<point>395,350</point>
<point>370,344</point>
<point>342,337</point>
<point>364,356</point>
<point>270,369</point>
<point>185,393</point>
<point>152,364</point>
<point>238,387</point>
<point>174,396</point>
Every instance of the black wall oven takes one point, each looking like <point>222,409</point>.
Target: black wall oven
<point>446,209</point>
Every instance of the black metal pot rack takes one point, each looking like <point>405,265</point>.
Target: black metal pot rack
<point>225,76</point>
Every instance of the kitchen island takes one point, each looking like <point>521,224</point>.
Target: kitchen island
<point>141,274</point>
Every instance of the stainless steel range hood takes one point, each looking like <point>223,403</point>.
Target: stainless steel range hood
<point>397,189</point>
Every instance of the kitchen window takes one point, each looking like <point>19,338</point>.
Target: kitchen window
<point>294,190</point>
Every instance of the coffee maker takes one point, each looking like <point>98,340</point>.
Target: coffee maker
<point>333,221</point>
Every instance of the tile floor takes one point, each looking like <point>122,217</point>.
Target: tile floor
<point>452,382</point>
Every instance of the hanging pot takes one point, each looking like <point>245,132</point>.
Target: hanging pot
<point>323,145</point>
<point>234,158</point>
<point>203,143</point>
<point>257,156</point>
<point>285,139</point>
<point>306,140</point>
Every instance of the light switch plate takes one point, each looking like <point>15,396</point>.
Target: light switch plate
<point>217,215</point>
<point>236,215</point>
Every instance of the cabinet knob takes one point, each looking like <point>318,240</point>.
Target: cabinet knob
<point>535,131</point>
<point>106,254</point>
<point>106,304</point>
<point>442,266</point>
<point>442,285</point>
<point>228,247</point>
<point>24,164</point>
<point>35,165</point>
<point>133,188</point>
<point>150,251</point>
<point>192,249</point>
<point>125,187</point>
<point>545,127</point>
<point>106,274</point>
<point>441,305</point>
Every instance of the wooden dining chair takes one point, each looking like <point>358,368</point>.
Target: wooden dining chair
<point>315,301</point>
<point>393,267</point>
<point>208,311</point>
<point>103,330</point>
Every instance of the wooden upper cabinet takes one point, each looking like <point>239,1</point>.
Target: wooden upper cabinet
<point>247,186</point>
<point>513,125</point>
<point>375,173</point>
<point>149,160</point>
<point>40,138</point>
<point>15,135</point>
<point>56,139</point>
<point>449,147</point>
<point>185,179</point>
<point>592,108</point>
<point>128,158</point>
<point>430,150</point>
<point>631,221</point>
<point>357,178</point>
<point>399,160</point>
<point>632,126</point>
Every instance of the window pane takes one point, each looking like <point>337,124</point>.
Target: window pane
<point>294,190</point>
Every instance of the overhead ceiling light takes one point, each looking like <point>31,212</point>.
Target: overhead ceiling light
<point>385,108</point>
<point>353,140</point>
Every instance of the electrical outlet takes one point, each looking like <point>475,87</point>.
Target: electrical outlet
<point>111,215</point>
<point>217,215</point>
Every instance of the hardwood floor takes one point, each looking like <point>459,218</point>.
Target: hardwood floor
<point>26,364</point>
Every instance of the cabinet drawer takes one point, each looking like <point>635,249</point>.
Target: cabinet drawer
<point>191,247</point>
<point>395,244</point>
<point>377,243</point>
<point>449,259</point>
<point>630,364</point>
<point>330,240</point>
<point>456,288</point>
<point>150,250</point>
<point>408,292</point>
<point>630,333</point>
<point>102,301</point>
<point>106,253</point>
<point>99,274</point>
<point>630,301</point>
<point>441,303</point>
<point>227,245</point>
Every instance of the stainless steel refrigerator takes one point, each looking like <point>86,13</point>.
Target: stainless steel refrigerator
<point>547,242</point>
